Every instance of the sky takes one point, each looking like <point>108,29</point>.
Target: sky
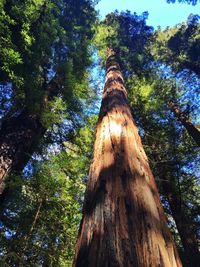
<point>160,13</point>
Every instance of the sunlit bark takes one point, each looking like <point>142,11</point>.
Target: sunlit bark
<point>123,222</point>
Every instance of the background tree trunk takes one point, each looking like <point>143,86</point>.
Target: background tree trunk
<point>19,136</point>
<point>183,223</point>
<point>191,129</point>
<point>123,221</point>
<point>187,235</point>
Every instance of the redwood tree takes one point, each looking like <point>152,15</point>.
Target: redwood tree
<point>123,221</point>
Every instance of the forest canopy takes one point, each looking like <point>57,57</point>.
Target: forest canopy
<point>65,169</point>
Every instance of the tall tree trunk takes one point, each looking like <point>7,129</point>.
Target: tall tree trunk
<point>183,223</point>
<point>19,136</point>
<point>191,129</point>
<point>123,222</point>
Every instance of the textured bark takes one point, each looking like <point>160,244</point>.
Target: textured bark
<point>123,222</point>
<point>18,138</point>
<point>191,129</point>
<point>183,223</point>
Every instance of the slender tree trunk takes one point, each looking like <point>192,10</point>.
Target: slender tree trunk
<point>183,223</point>
<point>191,129</point>
<point>123,222</point>
<point>18,138</point>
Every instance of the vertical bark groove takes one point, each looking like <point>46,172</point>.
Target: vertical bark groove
<point>123,221</point>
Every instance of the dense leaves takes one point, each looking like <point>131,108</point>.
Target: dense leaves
<point>128,34</point>
<point>48,78</point>
<point>38,44</point>
<point>43,211</point>
<point>182,43</point>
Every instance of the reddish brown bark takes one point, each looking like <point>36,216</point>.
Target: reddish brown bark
<point>191,129</point>
<point>19,136</point>
<point>123,222</point>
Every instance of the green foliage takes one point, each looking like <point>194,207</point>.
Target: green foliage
<point>54,112</point>
<point>143,92</point>
<point>103,38</point>
<point>51,215</point>
<point>180,43</point>
<point>45,55</point>
<point>127,34</point>
<point>9,56</point>
<point>39,38</point>
<point>42,216</point>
